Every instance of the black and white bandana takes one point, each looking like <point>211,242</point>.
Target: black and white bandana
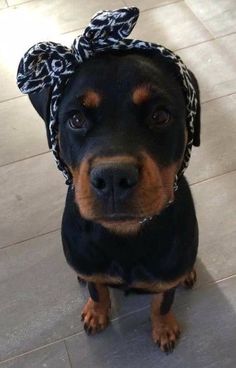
<point>49,64</point>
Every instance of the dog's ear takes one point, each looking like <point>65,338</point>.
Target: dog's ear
<point>197,119</point>
<point>41,102</point>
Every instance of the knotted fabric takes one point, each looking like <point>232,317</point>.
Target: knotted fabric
<point>49,64</point>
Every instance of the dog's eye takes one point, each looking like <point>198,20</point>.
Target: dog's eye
<point>161,117</point>
<point>77,121</point>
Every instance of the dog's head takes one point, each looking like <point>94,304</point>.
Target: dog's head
<point>122,134</point>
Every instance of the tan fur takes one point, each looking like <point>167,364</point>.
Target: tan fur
<point>141,94</point>
<point>91,99</point>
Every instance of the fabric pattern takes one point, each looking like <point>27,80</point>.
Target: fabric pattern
<point>48,64</point>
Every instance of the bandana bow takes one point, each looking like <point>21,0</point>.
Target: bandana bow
<point>49,64</point>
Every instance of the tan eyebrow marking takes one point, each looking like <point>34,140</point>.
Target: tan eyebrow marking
<point>91,99</point>
<point>141,94</point>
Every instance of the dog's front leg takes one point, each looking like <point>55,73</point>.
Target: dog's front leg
<point>96,311</point>
<point>165,329</point>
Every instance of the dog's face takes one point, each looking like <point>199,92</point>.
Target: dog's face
<point>122,134</point>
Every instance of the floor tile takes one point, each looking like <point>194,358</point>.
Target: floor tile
<point>41,300</point>
<point>32,198</point>
<point>148,4</point>
<point>208,340</point>
<point>22,129</point>
<point>67,15</point>
<point>216,207</point>
<point>213,63</point>
<point>217,15</point>
<point>54,356</point>
<point>57,16</point>
<point>173,26</point>
<point>3,4</point>
<point>217,153</point>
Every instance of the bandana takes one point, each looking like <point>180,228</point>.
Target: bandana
<point>49,64</point>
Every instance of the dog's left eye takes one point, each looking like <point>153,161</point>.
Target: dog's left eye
<point>161,117</point>
<point>77,121</point>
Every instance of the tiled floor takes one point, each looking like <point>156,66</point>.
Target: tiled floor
<point>40,300</point>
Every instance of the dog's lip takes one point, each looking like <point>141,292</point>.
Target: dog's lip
<point>125,218</point>
<point>119,218</point>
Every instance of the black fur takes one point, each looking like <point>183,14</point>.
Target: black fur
<point>166,247</point>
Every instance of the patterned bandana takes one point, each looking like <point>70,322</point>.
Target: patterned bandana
<point>49,64</point>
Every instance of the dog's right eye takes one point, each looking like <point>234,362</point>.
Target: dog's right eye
<point>78,121</point>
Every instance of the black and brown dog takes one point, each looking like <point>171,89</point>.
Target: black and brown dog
<point>123,134</point>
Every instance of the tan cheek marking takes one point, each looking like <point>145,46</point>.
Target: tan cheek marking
<point>83,194</point>
<point>141,94</point>
<point>91,99</point>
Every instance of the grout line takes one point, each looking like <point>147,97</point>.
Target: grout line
<point>31,238</point>
<point>199,19</point>
<point>68,355</point>
<point>12,98</point>
<point>194,44</point>
<point>217,98</point>
<point>213,282</point>
<point>213,177</point>
<point>161,6</point>
<point>38,348</point>
<point>197,288</point>
<point>25,158</point>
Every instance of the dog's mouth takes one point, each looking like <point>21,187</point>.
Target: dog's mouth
<point>130,219</point>
<point>118,219</point>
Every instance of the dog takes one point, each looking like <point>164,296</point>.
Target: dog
<point>122,134</point>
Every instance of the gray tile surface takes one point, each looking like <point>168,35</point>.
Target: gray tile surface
<point>32,198</point>
<point>54,356</point>
<point>218,132</point>
<point>41,300</point>
<point>173,25</point>
<point>23,132</point>
<point>215,202</point>
<point>213,63</point>
<point>127,343</point>
<point>217,15</point>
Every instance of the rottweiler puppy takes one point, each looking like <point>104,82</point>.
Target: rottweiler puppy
<point>122,134</point>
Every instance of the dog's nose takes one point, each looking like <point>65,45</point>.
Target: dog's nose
<point>115,180</point>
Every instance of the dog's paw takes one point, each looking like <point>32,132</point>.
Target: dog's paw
<point>95,317</point>
<point>190,279</point>
<point>165,332</point>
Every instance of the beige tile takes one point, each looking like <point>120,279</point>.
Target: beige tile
<point>217,15</point>
<point>215,202</point>
<point>148,4</point>
<point>31,199</point>
<point>23,133</point>
<point>17,2</point>
<point>54,356</point>
<point>217,153</point>
<point>3,4</point>
<point>213,63</point>
<point>66,15</point>
<point>36,21</point>
<point>173,25</point>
